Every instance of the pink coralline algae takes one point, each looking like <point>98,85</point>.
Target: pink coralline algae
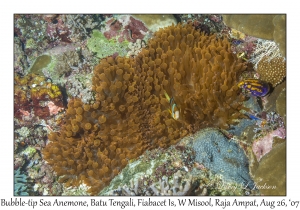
<point>114,27</point>
<point>136,30</point>
<point>126,27</point>
<point>263,145</point>
<point>215,18</point>
<point>53,109</point>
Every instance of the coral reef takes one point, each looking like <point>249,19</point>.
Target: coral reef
<point>150,176</point>
<point>71,68</point>
<point>264,48</point>
<point>20,183</point>
<point>31,29</point>
<point>272,71</point>
<point>272,27</point>
<point>136,48</point>
<point>23,132</point>
<point>62,65</point>
<point>79,86</point>
<point>76,191</point>
<point>132,113</point>
<point>166,94</point>
<point>32,94</point>
<point>245,47</point>
<point>268,122</point>
<point>20,61</point>
<point>154,165</point>
<point>81,25</point>
<point>124,28</point>
<point>27,157</point>
<point>178,187</point>
<point>222,156</point>
<point>45,180</point>
<point>207,23</point>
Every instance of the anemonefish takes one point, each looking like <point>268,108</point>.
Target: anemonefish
<point>174,111</point>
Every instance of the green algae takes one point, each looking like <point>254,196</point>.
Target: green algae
<point>40,63</point>
<point>31,44</point>
<point>29,152</point>
<point>105,47</point>
<point>270,176</point>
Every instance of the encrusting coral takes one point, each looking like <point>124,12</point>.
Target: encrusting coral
<point>272,71</point>
<point>181,82</point>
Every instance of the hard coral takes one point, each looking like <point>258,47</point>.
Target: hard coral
<point>20,183</point>
<point>272,71</point>
<point>177,187</point>
<point>131,112</point>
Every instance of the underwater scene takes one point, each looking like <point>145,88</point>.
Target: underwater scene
<point>147,105</point>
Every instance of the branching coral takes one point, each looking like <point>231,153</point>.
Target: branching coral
<point>20,183</point>
<point>132,110</point>
<point>177,187</point>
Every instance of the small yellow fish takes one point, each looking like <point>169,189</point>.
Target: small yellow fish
<point>242,56</point>
<point>174,111</point>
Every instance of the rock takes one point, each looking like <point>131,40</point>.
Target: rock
<point>271,104</point>
<point>270,176</point>
<point>281,104</point>
<point>154,22</point>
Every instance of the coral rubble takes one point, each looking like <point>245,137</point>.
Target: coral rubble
<point>131,112</point>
